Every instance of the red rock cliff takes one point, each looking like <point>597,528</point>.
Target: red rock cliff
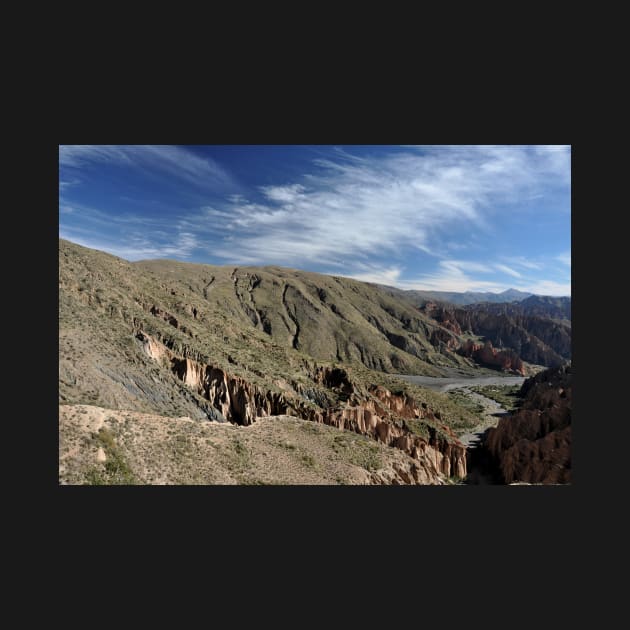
<point>485,354</point>
<point>377,413</point>
<point>534,444</point>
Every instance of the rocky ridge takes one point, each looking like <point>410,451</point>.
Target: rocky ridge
<point>527,331</point>
<point>374,411</point>
<point>533,445</point>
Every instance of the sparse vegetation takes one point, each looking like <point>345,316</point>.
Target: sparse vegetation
<point>462,400</point>
<point>257,454</point>
<point>308,460</point>
<point>244,322</point>
<point>115,470</point>
<point>506,395</point>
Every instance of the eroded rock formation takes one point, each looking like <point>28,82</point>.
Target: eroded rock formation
<point>485,354</point>
<point>531,333</point>
<point>376,413</point>
<point>534,444</point>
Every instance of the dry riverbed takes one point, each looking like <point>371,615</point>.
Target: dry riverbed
<point>492,410</point>
<point>441,384</point>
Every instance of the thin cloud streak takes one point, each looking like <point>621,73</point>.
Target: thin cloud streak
<point>134,247</point>
<point>356,208</point>
<point>520,261</point>
<point>360,217</point>
<point>564,258</point>
<point>455,275</point>
<point>547,287</point>
<point>175,161</point>
<point>451,276</point>
<point>508,270</point>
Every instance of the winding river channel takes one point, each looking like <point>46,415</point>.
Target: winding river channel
<point>492,410</point>
<point>444,384</point>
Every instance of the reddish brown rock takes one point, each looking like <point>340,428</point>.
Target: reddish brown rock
<point>534,444</point>
<point>538,333</point>
<point>377,413</point>
<point>485,354</point>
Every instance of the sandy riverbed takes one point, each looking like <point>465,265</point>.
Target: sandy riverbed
<point>492,410</point>
<point>442,384</point>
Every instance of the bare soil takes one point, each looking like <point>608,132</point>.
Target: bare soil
<point>158,450</point>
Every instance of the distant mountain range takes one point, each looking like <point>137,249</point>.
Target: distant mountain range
<point>462,299</point>
<point>538,328</point>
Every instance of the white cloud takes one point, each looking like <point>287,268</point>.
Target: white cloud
<point>547,287</point>
<point>388,276</point>
<point>107,221</point>
<point>453,275</point>
<point>176,161</point>
<point>461,266</point>
<point>364,207</point>
<point>285,194</point>
<point>565,258</point>
<point>358,208</point>
<point>508,270</point>
<point>64,185</point>
<point>346,214</point>
<point>134,246</point>
<point>521,261</point>
<point>556,158</point>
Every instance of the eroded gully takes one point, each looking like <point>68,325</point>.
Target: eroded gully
<point>479,468</point>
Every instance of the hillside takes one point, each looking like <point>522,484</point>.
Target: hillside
<point>536,330</point>
<point>238,344</point>
<point>110,447</point>
<point>558,308</point>
<point>534,444</point>
<point>326,317</point>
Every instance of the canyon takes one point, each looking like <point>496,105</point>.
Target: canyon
<point>153,346</point>
<point>374,413</point>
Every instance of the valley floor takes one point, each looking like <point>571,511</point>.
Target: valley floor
<point>492,412</point>
<point>456,382</point>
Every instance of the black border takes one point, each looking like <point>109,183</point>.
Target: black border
<point>447,529</point>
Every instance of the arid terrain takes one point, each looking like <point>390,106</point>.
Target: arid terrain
<point>177,373</point>
<point>104,446</point>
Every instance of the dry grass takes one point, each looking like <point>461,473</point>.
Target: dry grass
<point>158,450</point>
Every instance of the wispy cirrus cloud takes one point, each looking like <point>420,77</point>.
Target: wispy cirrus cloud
<point>564,258</point>
<point>404,201</point>
<point>135,246</point>
<point>454,275</point>
<point>508,270</point>
<point>451,275</point>
<point>419,217</point>
<point>170,160</point>
<point>546,287</point>
<point>388,276</point>
<point>461,275</point>
<point>130,236</point>
<point>526,263</point>
<point>64,185</point>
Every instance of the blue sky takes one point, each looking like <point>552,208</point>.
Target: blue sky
<point>452,218</point>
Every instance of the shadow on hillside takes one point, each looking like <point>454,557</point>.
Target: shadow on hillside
<point>482,470</point>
